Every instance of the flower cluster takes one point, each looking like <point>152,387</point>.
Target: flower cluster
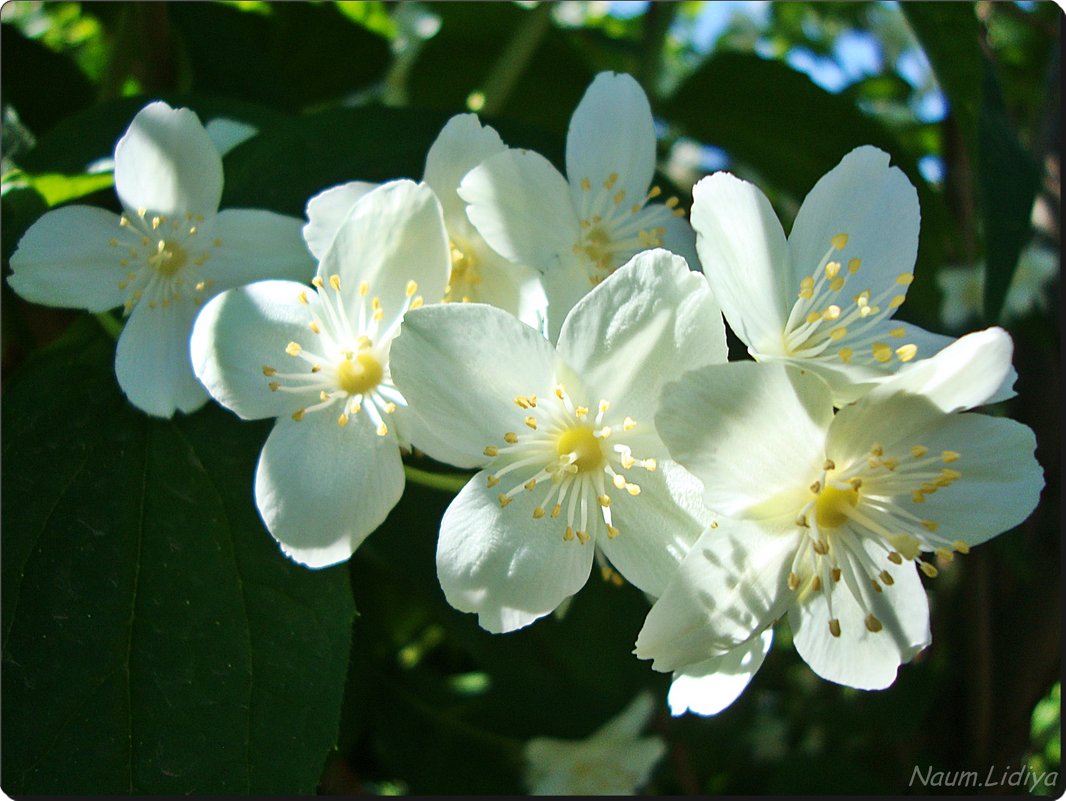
<point>554,334</point>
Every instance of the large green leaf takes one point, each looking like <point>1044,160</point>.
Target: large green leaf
<point>155,640</point>
<point>775,120</point>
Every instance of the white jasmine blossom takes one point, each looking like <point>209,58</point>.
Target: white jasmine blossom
<point>579,229</point>
<point>614,760</point>
<point>317,358</point>
<point>824,298</point>
<point>569,460</point>
<point>479,274</point>
<point>164,256</point>
<point>826,517</point>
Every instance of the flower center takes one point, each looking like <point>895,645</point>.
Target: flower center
<point>585,447</point>
<point>830,510</point>
<point>169,258</point>
<point>359,375</point>
<point>578,455</point>
<point>825,323</point>
<point>465,275</point>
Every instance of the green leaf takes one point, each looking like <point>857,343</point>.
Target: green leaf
<point>155,640</point>
<point>56,188</point>
<point>792,137</point>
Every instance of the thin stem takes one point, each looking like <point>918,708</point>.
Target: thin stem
<point>445,482</point>
<point>112,326</point>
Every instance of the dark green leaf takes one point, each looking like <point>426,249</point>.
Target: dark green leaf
<point>155,640</point>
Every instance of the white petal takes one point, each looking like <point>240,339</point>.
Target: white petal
<point>462,144</point>
<point>875,205</point>
<point>257,245</point>
<point>563,289</point>
<point>167,163</point>
<point>321,489</point>
<point>327,210</point>
<point>501,563</point>
<point>657,528</point>
<point>965,374</point>
<point>754,434</point>
<point>708,687</point>
<point>152,360</point>
<point>745,257</point>
<point>460,367</point>
<point>858,657</point>
<point>242,331</point>
<point>611,132</point>
<point>512,287</point>
<point>521,205</point>
<point>226,134</point>
<point>730,587</point>
<point>649,321</point>
<point>392,236</point>
<point>65,259</point>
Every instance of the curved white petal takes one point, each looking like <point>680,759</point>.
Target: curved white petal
<point>152,360</point>
<point>255,245</point>
<point>858,657</point>
<point>66,259</point>
<point>521,205</point>
<point>708,687</point>
<point>501,563</point>
<point>649,321</point>
<point>327,210</point>
<point>657,528</point>
<point>965,374</point>
<point>875,205</point>
<point>460,366</point>
<point>745,257</point>
<point>392,236</point>
<point>731,586</point>
<point>612,133</point>
<point>226,134</point>
<point>242,331</point>
<point>462,144</point>
<point>754,434</point>
<point>167,164</point>
<point>321,489</point>
<point>563,289</point>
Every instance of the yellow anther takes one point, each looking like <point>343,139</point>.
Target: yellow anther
<point>856,483</point>
<point>807,283</point>
<point>123,221</point>
<point>581,411</point>
<point>832,269</point>
<point>877,450</point>
<point>531,422</point>
<point>504,499</point>
<point>905,279</point>
<point>619,481</point>
<point>586,184</point>
<point>530,485</point>
<point>538,512</point>
<point>793,581</point>
<point>873,624</point>
<point>895,558</point>
<point>418,302</point>
<point>835,574</point>
<point>930,525</point>
<point>918,451</point>
<point>816,487</point>
<point>521,402</point>
<point>897,301</point>
<point>490,451</point>
<point>335,282</point>
<point>845,354</point>
<point>323,395</point>
<point>364,289</point>
<point>950,475</point>
<point>298,415</point>
<point>612,532</point>
<point>411,288</point>
<point>342,421</point>
<point>619,196</point>
<point>672,202</point>
<point>886,577</point>
<point>557,510</point>
<point>906,545</point>
<point>838,333</point>
<point>654,192</point>
<point>898,333</point>
<point>274,386</point>
<point>832,312</point>
<point>568,534</point>
<point>651,465</point>
<point>875,585</point>
<point>315,327</point>
<point>816,584</point>
<point>491,481</point>
<point>801,521</point>
<point>628,460</point>
<point>854,265</point>
<point>390,408</point>
<point>156,222</point>
<point>839,241</point>
<point>316,368</point>
<point>881,352</point>
<point>821,547</point>
<point>510,438</point>
<point>961,547</point>
<point>928,569</point>
<point>317,282</point>
<point>604,406</point>
<point>382,430</point>
<point>633,489</point>
<point>605,500</point>
<point>612,179</point>
<point>890,463</point>
<point>628,424</point>
<point>949,456</point>
<point>192,230</point>
<point>836,284</point>
<point>267,370</point>
<point>560,391</point>
<point>834,627</point>
<point>917,496</point>
<point>582,537</point>
<point>945,555</point>
<point>813,317</point>
<point>200,286</point>
<point>293,349</point>
<point>829,464</point>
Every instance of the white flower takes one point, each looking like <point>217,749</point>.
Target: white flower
<point>963,288</point>
<point>823,300</point>
<point>168,252</point>
<point>827,515</point>
<point>318,360</point>
<point>614,760</point>
<point>570,462</point>
<point>578,230</point>
<point>478,274</point>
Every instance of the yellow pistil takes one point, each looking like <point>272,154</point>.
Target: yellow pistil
<point>360,374</point>
<point>584,445</point>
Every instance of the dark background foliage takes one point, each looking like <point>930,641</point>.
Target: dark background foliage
<point>154,638</point>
